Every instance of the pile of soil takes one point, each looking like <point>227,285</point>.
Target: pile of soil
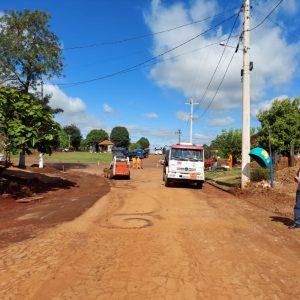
<point>280,200</point>
<point>33,199</point>
<point>18,183</point>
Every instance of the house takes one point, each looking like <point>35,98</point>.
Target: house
<point>106,146</point>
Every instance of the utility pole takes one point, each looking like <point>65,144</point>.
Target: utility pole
<point>191,103</point>
<point>245,172</point>
<point>42,89</point>
<point>179,133</point>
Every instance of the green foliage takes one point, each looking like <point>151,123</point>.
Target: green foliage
<point>134,146</point>
<point>207,152</point>
<point>280,123</point>
<point>143,142</point>
<point>25,123</point>
<point>29,50</point>
<point>229,142</point>
<point>63,139</point>
<point>94,137</point>
<point>74,135</point>
<point>120,136</point>
<point>259,174</point>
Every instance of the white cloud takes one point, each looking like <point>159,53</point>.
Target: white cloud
<point>275,60</point>
<point>265,105</point>
<point>184,116</point>
<point>290,6</point>
<point>224,121</point>
<point>107,108</point>
<point>70,105</point>
<point>200,138</point>
<point>150,116</point>
<point>74,110</point>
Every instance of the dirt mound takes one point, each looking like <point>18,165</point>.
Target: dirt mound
<point>24,183</point>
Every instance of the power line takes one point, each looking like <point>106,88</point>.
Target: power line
<point>146,35</point>
<point>220,59</point>
<point>267,16</point>
<point>146,61</point>
<point>219,86</point>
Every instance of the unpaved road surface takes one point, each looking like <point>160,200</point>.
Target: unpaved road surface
<point>145,241</point>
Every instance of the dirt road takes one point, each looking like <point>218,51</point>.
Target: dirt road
<point>145,241</point>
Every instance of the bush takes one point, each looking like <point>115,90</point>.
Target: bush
<point>260,174</point>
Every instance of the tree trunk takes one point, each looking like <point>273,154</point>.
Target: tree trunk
<point>22,159</point>
<point>292,155</point>
<point>41,160</point>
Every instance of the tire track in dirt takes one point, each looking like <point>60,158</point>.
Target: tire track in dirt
<point>201,244</point>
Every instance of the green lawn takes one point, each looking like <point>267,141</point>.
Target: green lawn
<point>82,157</point>
<point>235,172</point>
<point>225,178</point>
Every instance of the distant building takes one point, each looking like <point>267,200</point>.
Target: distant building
<point>106,146</point>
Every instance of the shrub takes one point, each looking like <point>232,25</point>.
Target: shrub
<point>260,174</point>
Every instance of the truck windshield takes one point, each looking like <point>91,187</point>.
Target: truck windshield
<point>187,154</point>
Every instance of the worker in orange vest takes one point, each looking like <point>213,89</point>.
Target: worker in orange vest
<point>134,162</point>
<point>230,162</point>
<point>139,163</point>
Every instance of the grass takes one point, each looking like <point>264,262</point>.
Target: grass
<point>81,157</point>
<point>225,178</point>
<point>76,157</point>
<point>223,173</point>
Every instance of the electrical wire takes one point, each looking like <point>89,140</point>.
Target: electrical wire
<point>146,61</point>
<point>219,86</point>
<point>146,35</point>
<point>220,59</point>
<point>267,16</point>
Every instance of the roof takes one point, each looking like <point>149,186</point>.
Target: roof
<point>192,147</point>
<point>106,143</point>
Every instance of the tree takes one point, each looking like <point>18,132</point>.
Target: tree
<point>94,137</point>
<point>229,142</point>
<point>25,123</point>
<point>63,139</point>
<point>280,125</point>
<point>144,142</point>
<point>74,136</point>
<point>120,136</point>
<point>134,146</point>
<point>29,50</point>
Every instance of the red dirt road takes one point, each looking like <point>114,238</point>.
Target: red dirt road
<point>145,241</point>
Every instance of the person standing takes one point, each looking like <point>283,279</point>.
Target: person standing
<point>139,162</point>
<point>134,162</point>
<point>296,223</point>
<point>230,162</point>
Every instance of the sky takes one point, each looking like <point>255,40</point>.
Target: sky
<point>137,63</point>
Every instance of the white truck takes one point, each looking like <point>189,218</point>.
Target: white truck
<point>184,163</point>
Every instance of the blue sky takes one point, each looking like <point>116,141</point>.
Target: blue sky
<point>150,99</point>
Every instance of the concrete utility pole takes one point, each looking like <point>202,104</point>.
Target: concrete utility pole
<point>191,103</point>
<point>179,134</point>
<point>245,172</point>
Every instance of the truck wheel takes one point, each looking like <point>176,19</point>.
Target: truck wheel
<point>167,182</point>
<point>199,185</point>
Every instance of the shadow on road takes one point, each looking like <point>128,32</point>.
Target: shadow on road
<point>283,220</point>
<point>20,183</point>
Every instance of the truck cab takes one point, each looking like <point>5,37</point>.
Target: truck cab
<point>184,163</point>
